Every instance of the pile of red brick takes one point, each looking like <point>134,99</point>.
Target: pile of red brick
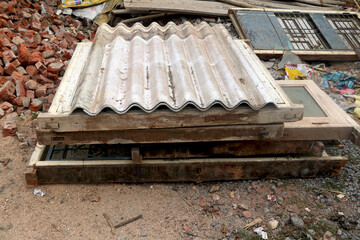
<point>36,44</point>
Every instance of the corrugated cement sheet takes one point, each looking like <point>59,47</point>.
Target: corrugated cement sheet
<point>174,66</point>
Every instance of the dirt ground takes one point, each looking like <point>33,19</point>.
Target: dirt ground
<point>170,211</point>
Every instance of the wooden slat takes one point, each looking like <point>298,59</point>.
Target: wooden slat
<point>205,8</point>
<point>186,170</point>
<point>170,135</point>
<point>230,149</point>
<point>138,119</point>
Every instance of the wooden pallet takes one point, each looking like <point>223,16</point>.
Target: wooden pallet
<point>158,165</point>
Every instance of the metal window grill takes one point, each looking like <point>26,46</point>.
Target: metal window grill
<point>88,152</point>
<point>347,27</point>
<point>302,31</point>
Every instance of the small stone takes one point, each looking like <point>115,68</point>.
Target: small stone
<point>311,232</point>
<point>21,137</point>
<point>213,224</point>
<point>23,145</point>
<point>94,198</point>
<point>143,234</point>
<point>272,224</point>
<point>214,188</point>
<point>231,194</point>
<point>339,232</point>
<point>246,214</point>
<point>328,236</point>
<point>243,206</point>
<point>215,197</point>
<point>296,221</point>
<point>32,140</point>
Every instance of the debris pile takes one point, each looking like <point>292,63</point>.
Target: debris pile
<point>36,43</point>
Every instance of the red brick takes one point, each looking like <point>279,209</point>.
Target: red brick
<point>35,105</point>
<point>66,54</point>
<point>17,40</point>
<point>41,67</point>
<point>16,63</point>
<point>8,56</point>
<point>32,71</point>
<point>36,26</point>
<point>9,128</point>
<point>48,54</point>
<point>49,61</point>
<point>52,76</point>
<point>11,10</point>
<point>35,57</point>
<point>58,22</point>
<point>80,36</point>
<point>42,80</point>
<point>50,98</point>
<point>4,6</point>
<point>64,43</point>
<point>4,41</point>
<point>40,91</point>
<point>15,76</point>
<point>30,94</point>
<point>37,38</point>
<point>24,53</point>
<point>7,91</point>
<point>2,70</point>
<point>25,101</point>
<point>5,106</point>
<point>21,70</point>
<point>9,69</point>
<point>55,67</point>
<point>31,84</point>
<point>17,101</point>
<point>20,89</point>
<point>3,79</point>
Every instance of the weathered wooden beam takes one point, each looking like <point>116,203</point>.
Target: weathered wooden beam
<point>190,117</point>
<point>169,135</point>
<point>230,149</point>
<point>187,170</point>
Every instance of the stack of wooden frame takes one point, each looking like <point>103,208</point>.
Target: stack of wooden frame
<point>176,154</point>
<point>279,141</point>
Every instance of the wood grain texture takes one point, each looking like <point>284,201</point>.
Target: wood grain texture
<point>138,119</point>
<point>187,170</point>
<point>204,8</point>
<point>170,135</point>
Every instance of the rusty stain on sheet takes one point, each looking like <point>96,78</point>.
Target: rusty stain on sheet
<point>172,66</point>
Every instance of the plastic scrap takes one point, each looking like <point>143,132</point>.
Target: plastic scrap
<point>38,192</point>
<point>89,12</point>
<point>80,3</point>
<point>298,71</point>
<point>271,198</point>
<point>340,80</point>
<point>261,233</point>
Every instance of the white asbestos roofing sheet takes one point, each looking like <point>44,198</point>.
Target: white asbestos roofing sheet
<point>174,66</point>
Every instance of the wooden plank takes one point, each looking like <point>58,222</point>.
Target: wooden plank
<point>229,149</point>
<point>323,55</point>
<point>187,170</point>
<point>190,117</point>
<point>205,8</point>
<point>170,135</point>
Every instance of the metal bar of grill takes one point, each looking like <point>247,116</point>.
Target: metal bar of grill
<point>347,27</point>
<point>301,31</point>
